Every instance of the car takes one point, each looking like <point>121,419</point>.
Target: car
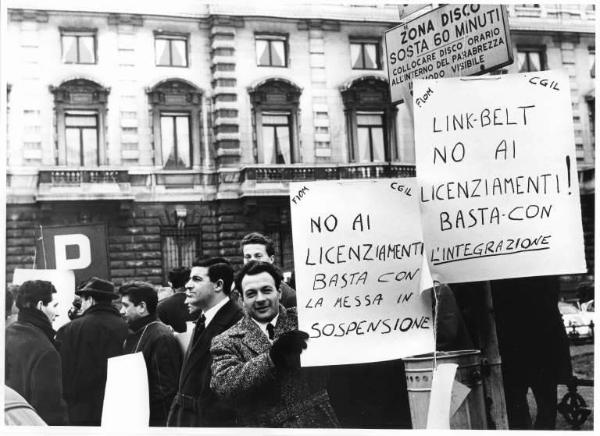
<point>578,324</point>
<point>588,306</point>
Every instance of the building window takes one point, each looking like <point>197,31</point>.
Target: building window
<point>78,47</point>
<point>176,111</point>
<point>271,50</point>
<point>370,136</point>
<point>370,120</point>
<point>592,57</point>
<point>365,55</point>
<point>530,60</point>
<point>275,119</point>
<point>171,50</point>
<point>175,139</point>
<point>81,137</point>
<point>180,246</point>
<point>80,109</point>
<point>276,129</point>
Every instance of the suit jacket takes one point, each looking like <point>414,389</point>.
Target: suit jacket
<point>86,344</point>
<point>196,404</point>
<point>174,312</point>
<point>33,367</point>
<point>163,357</point>
<point>266,396</point>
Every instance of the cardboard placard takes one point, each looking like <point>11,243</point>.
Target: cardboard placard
<point>497,177</point>
<point>358,260</point>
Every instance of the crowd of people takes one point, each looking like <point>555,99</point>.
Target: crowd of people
<point>241,363</point>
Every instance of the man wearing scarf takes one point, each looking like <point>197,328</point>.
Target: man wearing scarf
<point>156,341</point>
<point>33,365</point>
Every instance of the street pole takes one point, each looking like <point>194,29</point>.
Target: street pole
<point>492,370</point>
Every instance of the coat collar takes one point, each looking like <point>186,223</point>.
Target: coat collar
<point>102,307</point>
<point>253,336</point>
<point>140,323</point>
<point>38,319</point>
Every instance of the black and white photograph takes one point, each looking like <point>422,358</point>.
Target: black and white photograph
<point>337,216</point>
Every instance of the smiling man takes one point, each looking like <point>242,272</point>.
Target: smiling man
<point>157,343</point>
<point>33,366</point>
<point>207,290</point>
<point>256,363</point>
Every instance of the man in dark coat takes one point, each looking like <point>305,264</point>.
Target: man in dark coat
<point>157,343</point>
<point>33,366</point>
<point>256,246</point>
<point>86,344</point>
<point>533,346</point>
<point>196,405</point>
<point>256,363</point>
<point>172,310</point>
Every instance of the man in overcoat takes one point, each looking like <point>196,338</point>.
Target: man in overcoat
<point>86,344</point>
<point>33,366</point>
<point>533,346</point>
<point>256,363</point>
<point>207,290</point>
<point>156,341</point>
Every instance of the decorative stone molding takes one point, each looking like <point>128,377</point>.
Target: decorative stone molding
<point>27,15</point>
<point>125,19</point>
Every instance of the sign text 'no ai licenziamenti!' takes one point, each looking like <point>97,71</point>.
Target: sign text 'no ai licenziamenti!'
<point>497,177</point>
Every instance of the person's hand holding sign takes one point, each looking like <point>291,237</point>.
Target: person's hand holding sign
<point>285,352</point>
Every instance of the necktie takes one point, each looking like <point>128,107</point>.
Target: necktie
<point>271,331</point>
<point>200,325</point>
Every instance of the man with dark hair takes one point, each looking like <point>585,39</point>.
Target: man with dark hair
<point>86,344</point>
<point>256,363</point>
<point>173,310</point>
<point>33,366</point>
<point>208,289</point>
<point>256,246</point>
<point>156,342</point>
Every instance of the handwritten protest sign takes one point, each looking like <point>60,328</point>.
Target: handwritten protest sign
<point>497,177</point>
<point>358,257</point>
<point>63,281</point>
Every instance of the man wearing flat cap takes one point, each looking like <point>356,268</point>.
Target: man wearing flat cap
<point>86,344</point>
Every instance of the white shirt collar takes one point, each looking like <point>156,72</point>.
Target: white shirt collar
<point>263,325</point>
<point>210,313</point>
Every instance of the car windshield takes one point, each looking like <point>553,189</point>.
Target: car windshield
<point>567,309</point>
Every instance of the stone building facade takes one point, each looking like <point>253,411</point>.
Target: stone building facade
<point>179,126</point>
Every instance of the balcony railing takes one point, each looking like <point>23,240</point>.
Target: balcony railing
<point>273,173</point>
<point>77,177</point>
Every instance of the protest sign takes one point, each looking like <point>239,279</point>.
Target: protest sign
<point>126,397</point>
<point>497,177</point>
<point>358,257</point>
<point>449,41</point>
<point>63,281</point>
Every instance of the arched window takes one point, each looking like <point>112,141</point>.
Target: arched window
<point>370,120</point>
<point>80,108</point>
<point>176,109</point>
<point>275,119</point>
